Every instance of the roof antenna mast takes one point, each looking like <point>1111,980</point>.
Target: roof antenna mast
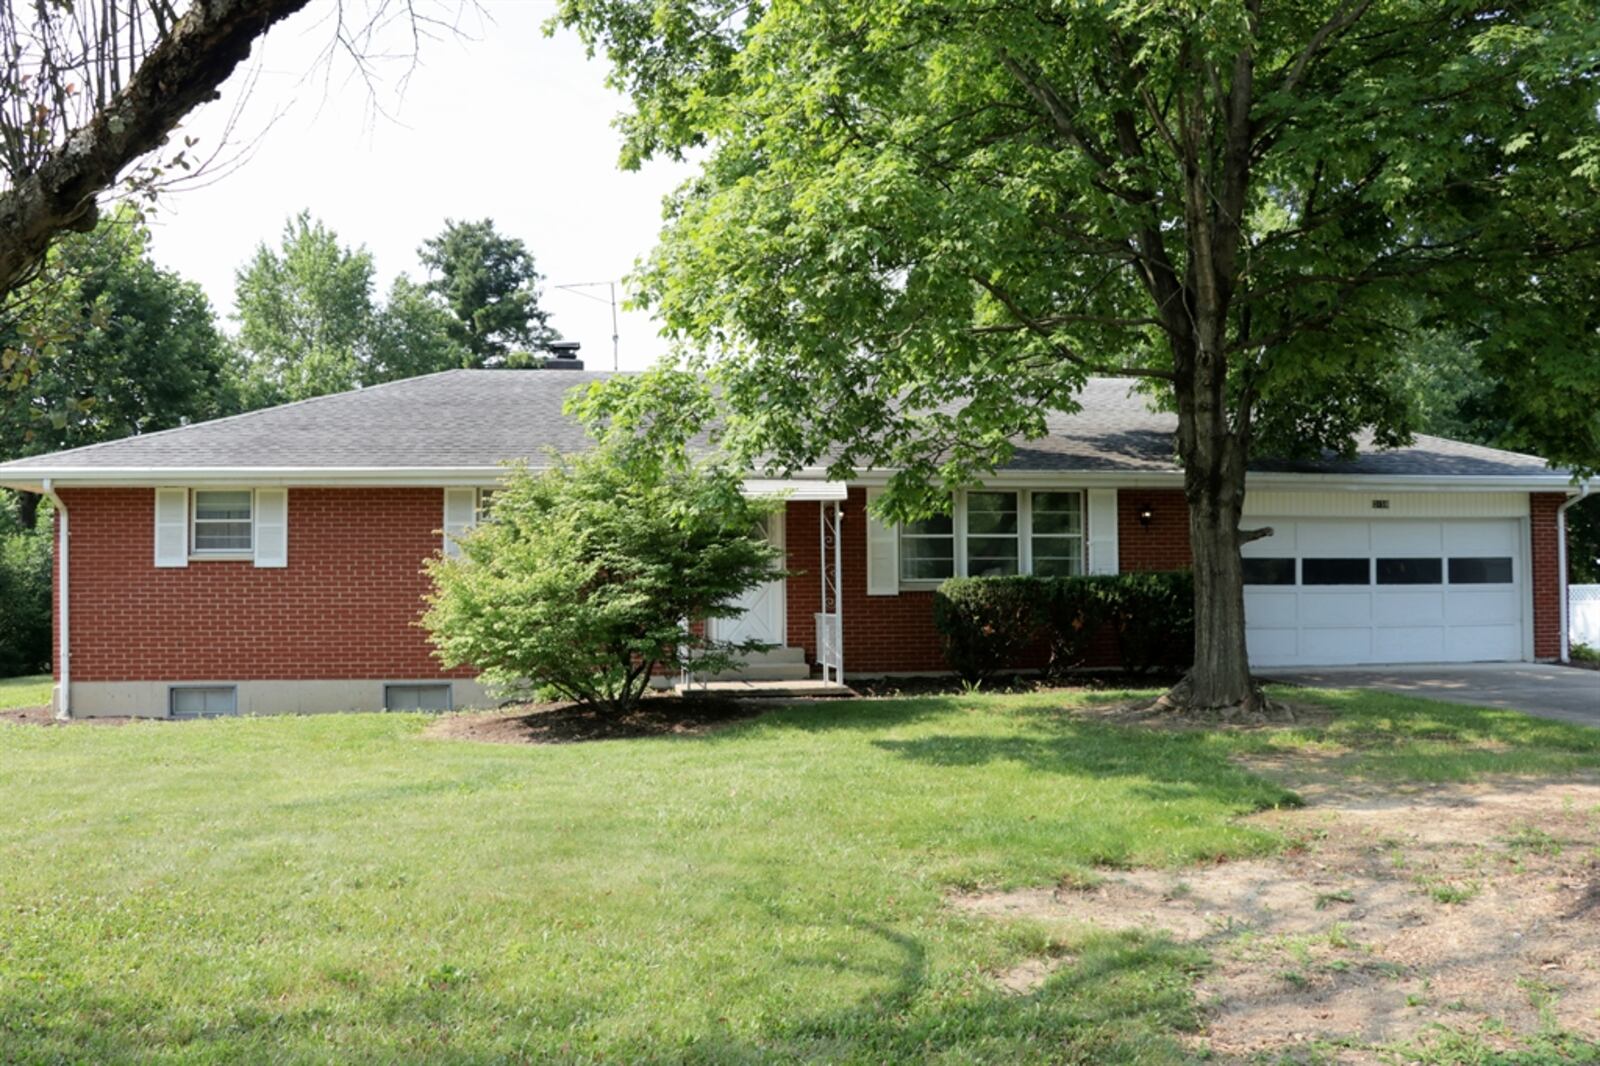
<point>611,298</point>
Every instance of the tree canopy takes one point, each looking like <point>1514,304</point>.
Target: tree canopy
<point>305,313</point>
<point>490,285</point>
<point>132,348</point>
<point>919,227</point>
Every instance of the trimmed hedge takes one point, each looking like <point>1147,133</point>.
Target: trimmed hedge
<point>988,624</point>
<point>985,624</point>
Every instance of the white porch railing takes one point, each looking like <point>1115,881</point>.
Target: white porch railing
<point>830,620</point>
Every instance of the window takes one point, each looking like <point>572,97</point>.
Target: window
<point>1057,533</point>
<point>993,542</point>
<point>222,521</point>
<point>1418,571</point>
<point>928,549</point>
<point>1336,571</point>
<point>485,509</point>
<point>1276,571</point>
<point>1481,570</point>
<point>416,697</point>
<point>200,701</point>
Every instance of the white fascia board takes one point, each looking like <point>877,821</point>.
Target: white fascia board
<point>1542,482</point>
<point>300,477</point>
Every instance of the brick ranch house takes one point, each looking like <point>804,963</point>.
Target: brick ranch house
<point>271,561</point>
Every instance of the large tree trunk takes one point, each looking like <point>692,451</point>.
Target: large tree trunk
<point>1220,677</point>
<point>1213,442</point>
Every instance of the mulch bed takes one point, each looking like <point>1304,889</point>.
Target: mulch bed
<point>566,723</point>
<point>1091,680</point>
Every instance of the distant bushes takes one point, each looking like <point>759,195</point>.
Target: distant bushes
<point>988,625</point>
<point>24,592</point>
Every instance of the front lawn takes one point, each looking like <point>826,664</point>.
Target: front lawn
<point>342,889</point>
<point>30,691</point>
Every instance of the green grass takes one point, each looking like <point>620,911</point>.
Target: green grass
<point>31,691</point>
<point>340,889</point>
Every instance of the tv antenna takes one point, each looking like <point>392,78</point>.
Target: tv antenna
<point>609,298</point>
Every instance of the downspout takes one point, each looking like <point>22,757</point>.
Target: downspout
<point>64,700</point>
<point>1561,568</point>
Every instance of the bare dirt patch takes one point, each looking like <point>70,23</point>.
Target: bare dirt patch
<point>567,723</point>
<point>44,716</point>
<point>1392,912</point>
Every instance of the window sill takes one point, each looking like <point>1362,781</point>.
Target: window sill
<point>921,586</point>
<point>222,557</point>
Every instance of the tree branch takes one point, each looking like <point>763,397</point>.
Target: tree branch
<point>181,72</point>
<point>1341,21</point>
<point>1037,327</point>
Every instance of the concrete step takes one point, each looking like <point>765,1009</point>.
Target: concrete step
<point>779,664</point>
<point>777,655</point>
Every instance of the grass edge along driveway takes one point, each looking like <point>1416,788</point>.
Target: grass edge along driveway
<point>339,888</point>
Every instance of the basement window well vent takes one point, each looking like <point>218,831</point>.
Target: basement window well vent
<point>202,701</point>
<point>416,697</point>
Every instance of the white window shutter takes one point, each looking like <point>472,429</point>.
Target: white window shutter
<point>460,514</point>
<point>272,527</point>
<point>1102,547</point>
<point>172,527</point>
<point>883,553</point>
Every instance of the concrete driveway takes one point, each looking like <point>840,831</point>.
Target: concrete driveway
<point>1564,693</point>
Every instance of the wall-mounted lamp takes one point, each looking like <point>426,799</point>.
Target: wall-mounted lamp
<point>1146,513</point>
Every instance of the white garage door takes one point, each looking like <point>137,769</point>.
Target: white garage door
<point>1324,591</point>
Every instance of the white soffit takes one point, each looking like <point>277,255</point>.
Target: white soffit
<point>796,489</point>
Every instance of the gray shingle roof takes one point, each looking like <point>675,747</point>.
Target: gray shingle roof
<point>463,419</point>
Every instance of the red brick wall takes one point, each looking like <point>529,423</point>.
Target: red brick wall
<point>895,633</point>
<point>1164,543</point>
<point>342,608</point>
<point>881,633</point>
<point>1547,583</point>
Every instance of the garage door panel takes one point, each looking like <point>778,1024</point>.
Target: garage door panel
<point>1280,543</point>
<point>1273,647</point>
<point>1409,608</point>
<point>1272,608</point>
<point>1320,608</point>
<point>1480,538</point>
<point>1333,539</point>
<point>1483,643</point>
<point>1401,644</point>
<point>1485,605</point>
<point>1337,645</point>
<point>1407,538</point>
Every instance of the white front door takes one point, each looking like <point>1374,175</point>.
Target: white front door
<point>762,615</point>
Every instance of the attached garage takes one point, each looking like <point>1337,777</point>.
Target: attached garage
<point>1408,588</point>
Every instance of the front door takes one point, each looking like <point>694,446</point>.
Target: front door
<point>761,609</point>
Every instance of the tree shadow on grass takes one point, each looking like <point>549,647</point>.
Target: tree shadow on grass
<point>1167,766</point>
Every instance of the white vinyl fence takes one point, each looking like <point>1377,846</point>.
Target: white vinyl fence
<point>1585,614</point>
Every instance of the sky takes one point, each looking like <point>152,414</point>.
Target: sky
<point>499,122</point>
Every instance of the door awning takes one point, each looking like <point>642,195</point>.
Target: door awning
<point>798,489</point>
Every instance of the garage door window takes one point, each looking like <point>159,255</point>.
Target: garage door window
<point>1411,571</point>
<point>1481,570</point>
<point>1269,571</point>
<point>1336,571</point>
